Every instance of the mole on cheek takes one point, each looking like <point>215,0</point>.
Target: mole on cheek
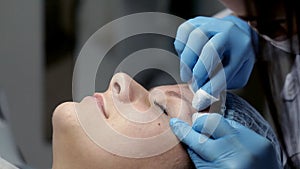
<point>158,124</point>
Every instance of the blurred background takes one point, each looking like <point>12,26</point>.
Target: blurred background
<point>39,43</point>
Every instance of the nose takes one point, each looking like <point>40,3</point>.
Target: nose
<point>128,90</point>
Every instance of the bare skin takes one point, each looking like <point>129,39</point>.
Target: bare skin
<point>73,149</point>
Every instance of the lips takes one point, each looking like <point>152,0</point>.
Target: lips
<point>100,103</point>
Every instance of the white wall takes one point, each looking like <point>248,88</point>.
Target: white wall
<point>21,75</point>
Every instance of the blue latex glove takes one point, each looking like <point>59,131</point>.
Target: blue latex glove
<point>219,143</point>
<point>203,42</point>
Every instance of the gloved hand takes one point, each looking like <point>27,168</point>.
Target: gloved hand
<point>216,142</point>
<point>203,43</point>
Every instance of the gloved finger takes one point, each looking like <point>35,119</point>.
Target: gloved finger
<point>199,75</point>
<point>236,58</point>
<point>184,132</point>
<point>197,39</point>
<point>213,25</point>
<point>227,37</point>
<point>233,69</point>
<point>185,72</point>
<point>216,84</point>
<point>184,31</point>
<point>215,48</point>
<point>210,57</point>
<point>187,61</point>
<point>242,76</point>
<point>199,143</point>
<point>219,45</point>
<point>213,125</point>
<point>244,26</point>
<point>192,52</point>
<point>198,161</point>
<point>210,91</point>
<point>182,35</point>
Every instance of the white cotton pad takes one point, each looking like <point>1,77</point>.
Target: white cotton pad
<point>202,99</point>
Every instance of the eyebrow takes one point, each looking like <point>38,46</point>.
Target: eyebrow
<point>177,95</point>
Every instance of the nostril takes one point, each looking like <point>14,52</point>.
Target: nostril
<point>117,88</point>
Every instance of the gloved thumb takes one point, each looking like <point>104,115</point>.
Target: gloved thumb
<point>186,134</point>
<point>180,128</point>
<point>199,143</point>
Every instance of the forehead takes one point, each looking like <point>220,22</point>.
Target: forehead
<point>252,7</point>
<point>240,7</point>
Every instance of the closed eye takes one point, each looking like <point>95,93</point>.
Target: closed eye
<point>161,107</point>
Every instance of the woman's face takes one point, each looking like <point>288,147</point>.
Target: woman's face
<point>131,111</point>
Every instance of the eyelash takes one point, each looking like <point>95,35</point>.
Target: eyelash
<point>161,107</point>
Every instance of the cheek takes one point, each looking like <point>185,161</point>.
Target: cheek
<point>140,130</point>
<point>181,110</point>
<point>158,123</point>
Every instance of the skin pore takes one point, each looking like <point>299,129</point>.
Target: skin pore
<point>72,148</point>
